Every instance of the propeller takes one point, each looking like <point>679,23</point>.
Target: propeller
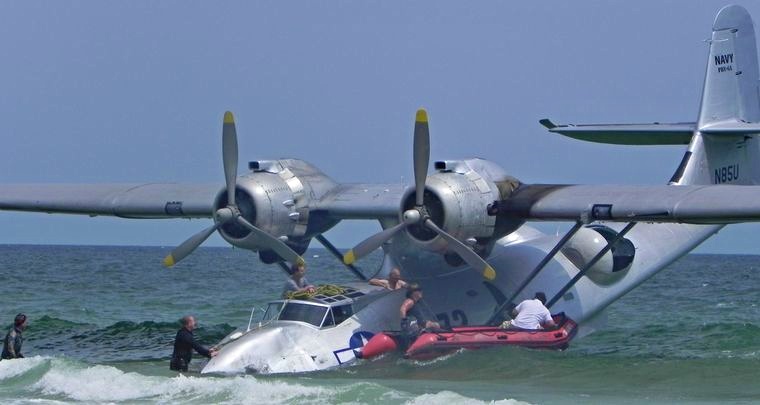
<point>231,212</point>
<point>419,214</point>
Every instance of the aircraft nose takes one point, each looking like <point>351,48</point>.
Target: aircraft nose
<point>249,353</point>
<point>263,351</point>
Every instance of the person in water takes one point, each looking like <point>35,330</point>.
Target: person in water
<point>532,314</point>
<point>394,281</point>
<point>14,339</point>
<point>185,343</point>
<point>413,318</point>
<point>297,281</point>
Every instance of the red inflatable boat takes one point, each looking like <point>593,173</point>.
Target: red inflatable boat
<point>434,344</point>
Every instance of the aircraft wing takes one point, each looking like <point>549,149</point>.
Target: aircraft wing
<point>706,204</point>
<point>170,200</point>
<point>148,200</point>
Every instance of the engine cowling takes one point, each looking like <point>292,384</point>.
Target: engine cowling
<point>274,199</point>
<point>456,198</point>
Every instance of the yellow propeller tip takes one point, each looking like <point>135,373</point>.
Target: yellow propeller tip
<point>421,115</point>
<point>489,273</point>
<point>349,258</point>
<point>169,261</point>
<point>228,118</point>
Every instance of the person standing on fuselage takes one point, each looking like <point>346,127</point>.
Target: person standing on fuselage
<point>394,281</point>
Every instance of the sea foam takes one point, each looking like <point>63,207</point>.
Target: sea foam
<point>99,383</point>
<point>17,367</point>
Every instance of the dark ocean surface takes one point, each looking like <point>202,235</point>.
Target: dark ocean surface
<point>103,321</point>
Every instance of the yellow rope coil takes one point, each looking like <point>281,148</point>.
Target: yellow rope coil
<point>326,289</point>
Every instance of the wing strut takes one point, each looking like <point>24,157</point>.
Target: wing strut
<point>590,264</point>
<point>335,252</point>
<point>534,273</point>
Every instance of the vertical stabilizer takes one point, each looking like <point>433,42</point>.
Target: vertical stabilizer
<point>731,82</point>
<point>725,148</point>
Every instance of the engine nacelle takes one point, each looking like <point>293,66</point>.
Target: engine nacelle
<point>273,196</point>
<point>588,242</point>
<point>456,198</point>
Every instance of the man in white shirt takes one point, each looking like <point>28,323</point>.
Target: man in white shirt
<point>532,314</point>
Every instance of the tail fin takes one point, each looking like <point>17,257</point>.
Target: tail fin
<point>724,143</point>
<point>725,147</point>
<point>731,82</point>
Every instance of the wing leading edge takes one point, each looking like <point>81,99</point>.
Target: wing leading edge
<point>170,200</point>
<point>149,200</point>
<point>711,204</point>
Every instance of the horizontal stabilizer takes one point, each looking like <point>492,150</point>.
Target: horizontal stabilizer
<point>627,134</point>
<point>731,128</point>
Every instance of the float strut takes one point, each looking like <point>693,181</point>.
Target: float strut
<point>549,256</point>
<point>335,252</point>
<point>284,268</point>
<point>590,264</point>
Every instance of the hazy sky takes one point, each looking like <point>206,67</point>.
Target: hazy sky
<point>132,91</point>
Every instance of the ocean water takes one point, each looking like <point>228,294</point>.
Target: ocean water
<point>102,321</point>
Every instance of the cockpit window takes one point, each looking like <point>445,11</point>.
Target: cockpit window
<point>329,321</point>
<point>342,313</point>
<point>312,314</point>
<point>273,309</point>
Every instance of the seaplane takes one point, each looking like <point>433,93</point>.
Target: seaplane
<point>465,232</point>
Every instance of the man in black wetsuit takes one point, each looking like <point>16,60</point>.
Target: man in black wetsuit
<point>184,344</point>
<point>14,339</point>
<point>413,317</point>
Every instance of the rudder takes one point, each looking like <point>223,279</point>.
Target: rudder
<point>731,81</point>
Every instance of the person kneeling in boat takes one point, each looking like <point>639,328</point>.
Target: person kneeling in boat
<point>413,317</point>
<point>531,314</point>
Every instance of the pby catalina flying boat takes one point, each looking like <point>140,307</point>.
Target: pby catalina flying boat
<point>462,232</point>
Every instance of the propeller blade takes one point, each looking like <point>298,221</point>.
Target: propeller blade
<point>368,245</point>
<point>188,246</point>
<point>230,155</point>
<point>467,254</point>
<point>269,242</point>
<point>421,154</point>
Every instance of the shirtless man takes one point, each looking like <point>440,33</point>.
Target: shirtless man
<point>394,281</point>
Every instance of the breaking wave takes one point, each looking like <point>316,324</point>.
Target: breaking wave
<point>54,380</point>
